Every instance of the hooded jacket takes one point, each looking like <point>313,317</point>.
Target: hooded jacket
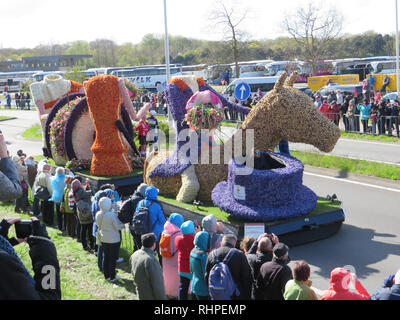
<point>209,224</point>
<point>156,212</point>
<point>170,266</point>
<point>198,261</point>
<point>336,290</point>
<point>95,206</point>
<point>185,243</point>
<point>108,222</point>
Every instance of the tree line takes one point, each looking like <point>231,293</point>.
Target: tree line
<point>187,51</point>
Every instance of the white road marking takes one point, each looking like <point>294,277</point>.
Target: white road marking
<point>353,182</point>
<point>394,144</point>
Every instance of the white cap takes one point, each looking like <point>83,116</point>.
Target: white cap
<point>153,113</point>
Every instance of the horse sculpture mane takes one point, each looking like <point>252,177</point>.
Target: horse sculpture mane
<point>284,113</point>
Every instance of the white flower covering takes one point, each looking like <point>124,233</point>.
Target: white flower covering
<point>190,186</point>
<point>83,137</point>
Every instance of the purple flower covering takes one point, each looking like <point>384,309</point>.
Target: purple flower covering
<point>269,194</point>
<point>177,100</point>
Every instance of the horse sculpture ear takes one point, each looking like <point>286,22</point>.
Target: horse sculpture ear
<point>292,79</point>
<point>281,81</point>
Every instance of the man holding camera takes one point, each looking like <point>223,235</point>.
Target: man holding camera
<point>16,283</point>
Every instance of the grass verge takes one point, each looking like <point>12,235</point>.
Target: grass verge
<point>369,168</point>
<point>371,137</point>
<point>80,277</point>
<point>34,132</point>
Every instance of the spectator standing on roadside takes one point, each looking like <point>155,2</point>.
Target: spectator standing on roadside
<point>109,236</point>
<point>143,130</point>
<point>172,228</point>
<point>58,185</point>
<point>8,100</point>
<point>365,114</point>
<point>198,261</point>
<point>43,179</point>
<point>16,283</point>
<point>146,271</point>
<point>246,244</point>
<point>22,203</point>
<point>374,117</point>
<point>185,243</point>
<point>238,266</point>
<point>339,287</point>
<point>351,117</point>
<point>381,115</point>
<point>325,109</point>
<point>334,112</point>
<point>216,229</point>
<point>68,208</point>
<point>260,253</point>
<point>390,289</point>
<point>394,120</point>
<point>300,287</point>
<point>10,188</point>
<point>273,276</point>
<point>343,110</point>
<point>332,97</point>
<point>388,118</point>
<point>152,136</point>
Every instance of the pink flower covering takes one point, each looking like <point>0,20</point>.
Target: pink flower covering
<point>170,266</point>
<point>204,97</point>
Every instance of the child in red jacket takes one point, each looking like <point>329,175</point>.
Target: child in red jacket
<point>143,129</point>
<point>185,243</point>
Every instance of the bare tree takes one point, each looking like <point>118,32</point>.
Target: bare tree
<point>314,27</point>
<point>229,19</point>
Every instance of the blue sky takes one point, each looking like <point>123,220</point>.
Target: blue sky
<point>27,23</point>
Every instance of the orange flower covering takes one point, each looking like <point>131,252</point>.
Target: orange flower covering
<point>75,88</point>
<point>110,156</point>
<point>179,82</point>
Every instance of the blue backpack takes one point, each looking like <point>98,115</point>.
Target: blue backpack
<point>220,282</point>
<point>141,223</point>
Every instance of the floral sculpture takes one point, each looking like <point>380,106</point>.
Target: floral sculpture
<point>110,156</point>
<point>204,111</point>
<point>57,131</point>
<point>284,113</point>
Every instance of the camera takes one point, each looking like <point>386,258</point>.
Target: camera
<point>23,229</point>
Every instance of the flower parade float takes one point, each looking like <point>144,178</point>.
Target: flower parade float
<point>92,134</point>
<point>271,193</point>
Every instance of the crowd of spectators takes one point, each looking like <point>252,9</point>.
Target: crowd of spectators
<point>367,113</point>
<point>22,100</point>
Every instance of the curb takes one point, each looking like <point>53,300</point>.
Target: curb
<point>13,118</point>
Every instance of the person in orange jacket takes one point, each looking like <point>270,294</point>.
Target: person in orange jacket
<point>339,287</point>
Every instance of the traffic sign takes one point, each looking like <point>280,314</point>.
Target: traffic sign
<point>242,91</point>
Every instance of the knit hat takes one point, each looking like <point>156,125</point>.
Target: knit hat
<point>280,250</point>
<point>142,189</point>
<point>176,219</point>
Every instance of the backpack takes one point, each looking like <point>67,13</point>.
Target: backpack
<point>221,284</point>
<point>127,211</point>
<point>166,245</point>
<point>84,212</point>
<point>141,223</point>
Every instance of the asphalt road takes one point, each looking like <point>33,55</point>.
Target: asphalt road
<point>12,130</point>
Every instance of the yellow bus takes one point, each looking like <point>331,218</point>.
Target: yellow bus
<point>316,83</point>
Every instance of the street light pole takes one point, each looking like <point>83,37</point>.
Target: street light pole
<point>168,74</point>
<point>397,49</point>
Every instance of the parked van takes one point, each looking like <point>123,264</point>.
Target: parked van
<point>266,84</point>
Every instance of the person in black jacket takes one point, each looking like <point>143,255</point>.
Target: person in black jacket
<point>381,115</point>
<point>390,289</point>
<point>274,275</point>
<point>15,281</point>
<point>238,266</point>
<point>126,216</point>
<point>260,253</point>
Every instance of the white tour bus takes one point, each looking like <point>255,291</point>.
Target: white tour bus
<point>148,78</point>
<point>14,81</point>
